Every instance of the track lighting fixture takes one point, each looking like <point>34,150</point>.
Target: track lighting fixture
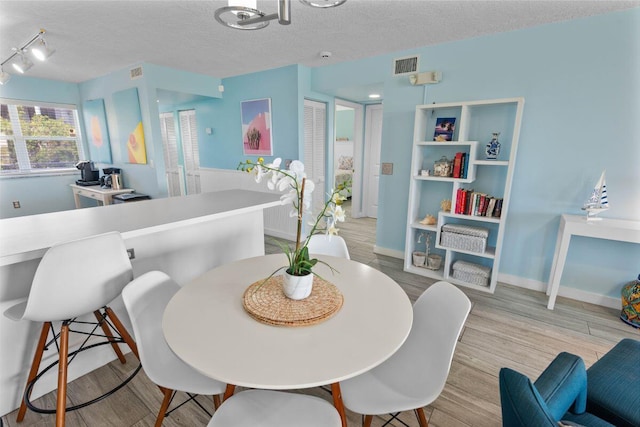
<point>244,15</point>
<point>4,76</point>
<point>21,63</point>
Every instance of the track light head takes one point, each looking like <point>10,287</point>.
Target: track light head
<point>4,76</point>
<point>40,50</point>
<point>22,64</point>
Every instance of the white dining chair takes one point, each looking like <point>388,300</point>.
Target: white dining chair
<point>145,299</point>
<point>73,279</point>
<point>268,408</point>
<point>322,244</point>
<point>415,375</point>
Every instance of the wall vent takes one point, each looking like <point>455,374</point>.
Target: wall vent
<point>135,73</point>
<point>403,66</point>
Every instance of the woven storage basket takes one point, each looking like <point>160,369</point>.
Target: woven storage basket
<point>471,273</point>
<point>464,237</point>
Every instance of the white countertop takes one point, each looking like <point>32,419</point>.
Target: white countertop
<point>28,237</point>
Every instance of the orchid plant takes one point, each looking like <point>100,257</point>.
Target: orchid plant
<point>297,191</point>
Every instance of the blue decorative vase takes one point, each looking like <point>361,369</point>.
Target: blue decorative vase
<point>493,148</point>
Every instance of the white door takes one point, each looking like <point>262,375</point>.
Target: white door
<point>315,139</point>
<point>173,171</point>
<point>373,142</point>
<point>190,150</point>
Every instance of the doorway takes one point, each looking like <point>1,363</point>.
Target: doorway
<point>373,144</point>
<point>182,172</point>
<point>348,152</point>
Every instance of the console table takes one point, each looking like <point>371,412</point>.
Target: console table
<point>575,225</point>
<point>96,192</point>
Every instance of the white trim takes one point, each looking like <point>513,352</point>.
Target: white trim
<point>388,252</point>
<point>564,291</point>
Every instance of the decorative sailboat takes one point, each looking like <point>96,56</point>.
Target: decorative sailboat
<point>598,201</point>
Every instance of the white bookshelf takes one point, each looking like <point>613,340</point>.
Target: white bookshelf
<point>475,123</point>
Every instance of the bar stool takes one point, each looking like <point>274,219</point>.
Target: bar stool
<point>73,279</point>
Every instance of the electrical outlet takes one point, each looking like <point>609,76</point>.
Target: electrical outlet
<point>387,169</point>
<point>16,204</point>
<point>132,253</point>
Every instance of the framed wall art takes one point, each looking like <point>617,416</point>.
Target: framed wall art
<point>130,131</point>
<point>256,127</point>
<point>95,122</point>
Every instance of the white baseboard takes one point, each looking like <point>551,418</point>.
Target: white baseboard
<point>563,291</point>
<point>388,252</point>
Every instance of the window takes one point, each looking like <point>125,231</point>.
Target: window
<point>36,138</point>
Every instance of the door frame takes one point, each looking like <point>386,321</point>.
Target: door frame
<point>358,154</point>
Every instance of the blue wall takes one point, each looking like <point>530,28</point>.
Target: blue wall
<point>580,82</point>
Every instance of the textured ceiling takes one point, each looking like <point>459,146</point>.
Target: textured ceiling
<point>93,38</point>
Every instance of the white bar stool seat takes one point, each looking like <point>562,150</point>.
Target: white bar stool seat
<point>75,279</point>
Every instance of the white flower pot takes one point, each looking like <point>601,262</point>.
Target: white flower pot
<point>297,287</point>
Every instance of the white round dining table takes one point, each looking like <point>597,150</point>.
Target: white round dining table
<point>206,325</point>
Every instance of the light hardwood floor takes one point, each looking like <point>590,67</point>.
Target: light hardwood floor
<point>510,328</point>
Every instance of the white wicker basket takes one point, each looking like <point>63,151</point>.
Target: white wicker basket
<point>464,237</point>
<point>471,273</point>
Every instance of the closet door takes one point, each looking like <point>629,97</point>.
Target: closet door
<point>315,139</point>
<point>173,171</point>
<point>190,150</point>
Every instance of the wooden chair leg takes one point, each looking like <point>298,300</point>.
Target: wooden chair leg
<point>216,401</point>
<point>35,365</point>
<point>422,420</point>
<point>122,331</point>
<point>61,404</point>
<point>337,402</point>
<point>165,405</point>
<point>228,392</point>
<point>107,331</point>
<point>366,422</point>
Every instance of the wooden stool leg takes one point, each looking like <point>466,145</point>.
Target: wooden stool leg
<point>61,403</point>
<point>107,331</point>
<point>367,421</point>
<point>228,392</point>
<point>35,365</point>
<point>337,402</point>
<point>165,405</point>
<point>122,331</point>
<point>216,401</point>
<point>421,417</point>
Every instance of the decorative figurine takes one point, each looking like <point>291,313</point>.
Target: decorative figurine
<point>445,205</point>
<point>428,220</point>
<point>493,147</point>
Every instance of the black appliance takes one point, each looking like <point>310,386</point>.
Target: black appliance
<point>88,173</point>
<point>112,178</point>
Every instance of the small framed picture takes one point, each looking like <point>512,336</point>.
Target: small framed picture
<point>445,126</point>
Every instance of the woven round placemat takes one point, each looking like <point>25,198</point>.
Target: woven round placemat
<point>268,304</point>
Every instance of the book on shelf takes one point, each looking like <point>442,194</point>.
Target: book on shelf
<point>465,165</point>
<point>490,207</point>
<point>457,165</point>
<point>474,203</point>
<point>498,209</point>
<point>445,126</point>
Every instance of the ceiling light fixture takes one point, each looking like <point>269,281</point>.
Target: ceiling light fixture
<point>21,62</point>
<point>244,15</point>
<point>323,3</point>
<point>4,76</point>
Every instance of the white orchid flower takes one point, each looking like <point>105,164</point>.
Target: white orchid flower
<point>338,213</point>
<point>332,231</point>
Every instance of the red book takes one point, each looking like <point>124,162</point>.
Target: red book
<point>457,165</point>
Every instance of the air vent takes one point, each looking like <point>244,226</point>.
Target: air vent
<point>135,73</point>
<point>402,66</point>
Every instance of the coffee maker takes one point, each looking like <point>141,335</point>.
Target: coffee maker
<point>112,178</point>
<point>88,173</point>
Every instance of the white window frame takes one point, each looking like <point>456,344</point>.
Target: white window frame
<point>24,164</point>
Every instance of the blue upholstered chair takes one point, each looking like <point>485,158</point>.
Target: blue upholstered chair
<point>561,392</point>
